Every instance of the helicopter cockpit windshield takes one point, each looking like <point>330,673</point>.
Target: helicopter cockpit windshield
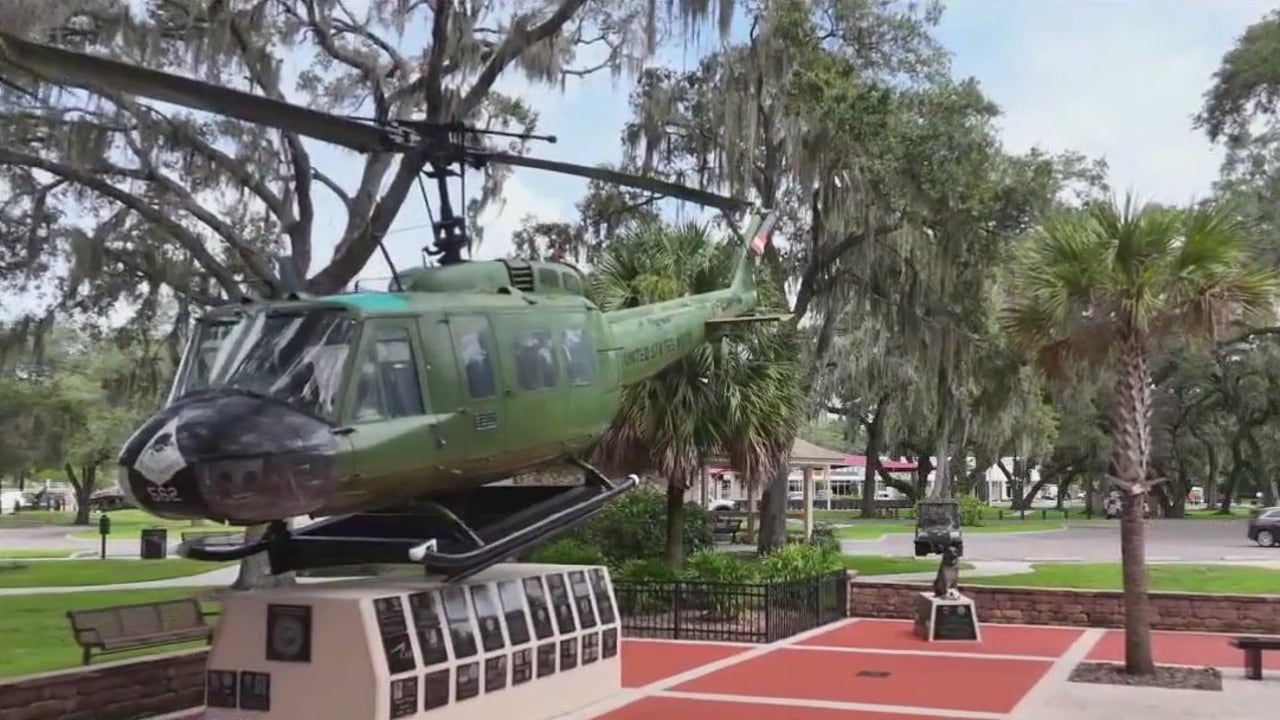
<point>293,355</point>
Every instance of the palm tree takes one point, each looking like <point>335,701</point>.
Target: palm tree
<point>738,395</point>
<point>1110,283</point>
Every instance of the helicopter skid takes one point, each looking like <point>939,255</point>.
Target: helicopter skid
<point>455,536</point>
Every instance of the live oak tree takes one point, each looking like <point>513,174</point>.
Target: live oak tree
<point>109,193</point>
<point>1111,284</point>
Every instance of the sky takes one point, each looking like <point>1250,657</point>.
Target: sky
<point>1118,79</point>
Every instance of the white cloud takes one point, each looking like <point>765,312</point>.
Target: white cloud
<point>1117,80</point>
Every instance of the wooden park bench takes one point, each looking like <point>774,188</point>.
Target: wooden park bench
<point>726,529</point>
<point>1253,647</point>
<point>130,627</point>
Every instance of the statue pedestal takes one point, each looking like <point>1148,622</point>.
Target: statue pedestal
<point>517,640</point>
<point>942,619</point>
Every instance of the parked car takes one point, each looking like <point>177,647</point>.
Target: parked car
<point>1264,527</point>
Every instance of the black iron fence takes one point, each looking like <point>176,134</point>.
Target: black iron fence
<point>731,612</point>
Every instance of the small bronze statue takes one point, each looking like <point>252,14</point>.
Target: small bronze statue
<point>948,577</point>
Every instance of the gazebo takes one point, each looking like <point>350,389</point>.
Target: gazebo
<point>808,457</point>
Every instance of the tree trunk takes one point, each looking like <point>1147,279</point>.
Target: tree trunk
<point>773,510</point>
<point>1131,430</point>
<point>875,435</point>
<point>82,488</point>
<point>675,524</point>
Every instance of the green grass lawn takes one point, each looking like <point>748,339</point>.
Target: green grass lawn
<point>127,524</point>
<point>29,554</point>
<point>872,529</point>
<point>1166,577</point>
<point>876,565</point>
<point>30,518</point>
<point>37,637</point>
<point>71,573</point>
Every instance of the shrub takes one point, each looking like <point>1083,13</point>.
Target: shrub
<point>794,562</point>
<point>634,527</point>
<point>636,596</point>
<point>715,585</point>
<point>972,511</point>
<point>712,566</point>
<point>568,551</point>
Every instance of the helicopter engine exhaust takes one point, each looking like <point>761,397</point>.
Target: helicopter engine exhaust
<point>230,455</point>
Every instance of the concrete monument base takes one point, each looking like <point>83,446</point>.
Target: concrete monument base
<point>517,640</point>
<point>941,619</point>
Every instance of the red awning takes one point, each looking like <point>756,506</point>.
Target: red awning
<point>888,465</point>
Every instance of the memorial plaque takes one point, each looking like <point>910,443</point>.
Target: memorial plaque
<point>954,622</point>
<point>522,666</point>
<point>541,613</point>
<point>590,648</point>
<point>435,689</point>
<point>255,691</point>
<point>404,697</point>
<point>604,603</point>
<point>487,617</point>
<point>560,603</point>
<point>468,684</point>
<point>568,654</point>
<point>220,689</point>
<point>458,616</point>
<point>495,673</point>
<point>289,633</point>
<point>394,629</point>
<point>609,643</point>
<point>513,612</point>
<point>582,599</point>
<point>546,659</point>
<point>426,622</point>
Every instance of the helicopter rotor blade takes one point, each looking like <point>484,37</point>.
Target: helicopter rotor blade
<point>639,182</point>
<point>59,65</point>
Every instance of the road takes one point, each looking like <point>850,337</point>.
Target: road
<point>1096,541</point>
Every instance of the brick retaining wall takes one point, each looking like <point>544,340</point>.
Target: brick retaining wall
<point>1081,608</point>
<point>124,690</point>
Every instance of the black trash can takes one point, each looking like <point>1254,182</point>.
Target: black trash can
<point>155,544</point>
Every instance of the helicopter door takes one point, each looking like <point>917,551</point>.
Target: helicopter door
<point>473,344</point>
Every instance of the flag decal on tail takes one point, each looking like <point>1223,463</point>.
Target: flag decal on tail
<point>761,240</point>
<point>757,244</point>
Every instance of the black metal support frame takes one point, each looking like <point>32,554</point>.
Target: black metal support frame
<point>468,530</point>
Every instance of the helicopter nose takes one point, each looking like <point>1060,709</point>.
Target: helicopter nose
<point>230,457</point>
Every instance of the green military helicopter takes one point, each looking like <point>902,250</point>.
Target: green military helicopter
<point>394,419</point>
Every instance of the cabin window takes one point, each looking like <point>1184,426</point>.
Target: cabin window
<point>549,279</point>
<point>578,356</point>
<point>475,356</point>
<point>535,363</point>
<point>572,283</point>
<point>387,382</point>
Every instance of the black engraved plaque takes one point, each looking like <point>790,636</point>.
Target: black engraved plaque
<point>560,603</point>
<point>487,618</point>
<point>541,613</point>
<point>604,603</point>
<point>568,654</point>
<point>423,608</point>
<point>590,648</point>
<point>220,689</point>
<point>546,659</point>
<point>394,629</point>
<point>435,689</point>
<point>513,612</point>
<point>522,666</point>
<point>954,622</point>
<point>609,643</point>
<point>404,697</point>
<point>468,684</point>
<point>255,691</point>
<point>289,633</point>
<point>459,618</point>
<point>495,673</point>
<point>582,599</point>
